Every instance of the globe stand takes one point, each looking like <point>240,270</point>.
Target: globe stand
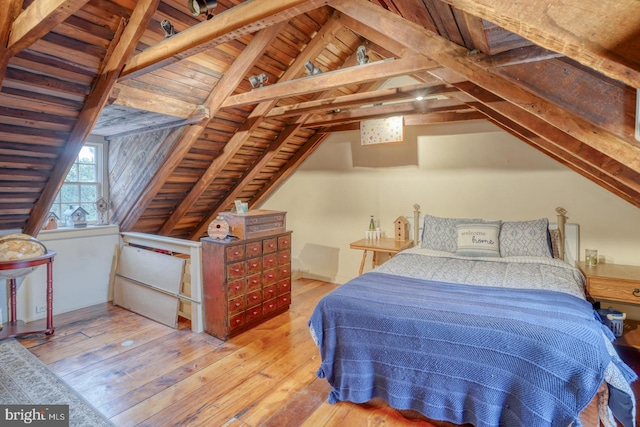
<point>12,270</point>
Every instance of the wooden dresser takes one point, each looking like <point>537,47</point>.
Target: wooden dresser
<point>245,282</point>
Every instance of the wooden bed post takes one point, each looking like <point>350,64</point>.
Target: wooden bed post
<point>416,224</point>
<point>562,219</point>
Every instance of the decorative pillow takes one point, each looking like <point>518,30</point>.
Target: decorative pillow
<point>525,238</point>
<point>479,239</point>
<point>440,234</point>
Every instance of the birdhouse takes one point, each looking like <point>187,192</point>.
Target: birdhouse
<point>401,228</point>
<point>75,217</point>
<point>51,222</point>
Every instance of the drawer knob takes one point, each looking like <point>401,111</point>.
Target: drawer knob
<point>636,292</point>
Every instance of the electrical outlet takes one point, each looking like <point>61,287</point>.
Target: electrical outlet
<point>41,308</point>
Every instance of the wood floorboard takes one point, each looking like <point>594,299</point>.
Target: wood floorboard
<point>141,373</point>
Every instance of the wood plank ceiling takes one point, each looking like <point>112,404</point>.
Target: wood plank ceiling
<point>188,134</point>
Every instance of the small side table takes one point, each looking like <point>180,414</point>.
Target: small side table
<point>384,244</point>
<point>616,282</point>
<point>14,327</point>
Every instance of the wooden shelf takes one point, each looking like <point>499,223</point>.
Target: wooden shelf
<point>19,328</point>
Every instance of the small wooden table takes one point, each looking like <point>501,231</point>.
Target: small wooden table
<point>616,282</point>
<point>384,244</point>
<point>14,327</point>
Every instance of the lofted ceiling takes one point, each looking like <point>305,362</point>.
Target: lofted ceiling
<point>188,134</point>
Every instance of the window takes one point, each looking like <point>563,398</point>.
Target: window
<point>83,184</point>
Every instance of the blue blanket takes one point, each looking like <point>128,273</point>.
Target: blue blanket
<point>460,353</point>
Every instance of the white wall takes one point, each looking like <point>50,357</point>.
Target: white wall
<point>470,169</point>
<point>81,272</point>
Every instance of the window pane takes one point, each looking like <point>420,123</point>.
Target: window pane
<point>91,209</point>
<point>73,173</point>
<point>88,193</point>
<point>69,195</point>
<point>82,184</point>
<point>87,155</point>
<point>87,173</point>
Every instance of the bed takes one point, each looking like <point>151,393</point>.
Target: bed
<point>482,322</point>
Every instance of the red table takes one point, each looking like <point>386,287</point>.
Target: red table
<point>14,327</point>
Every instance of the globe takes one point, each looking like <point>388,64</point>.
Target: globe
<point>17,247</point>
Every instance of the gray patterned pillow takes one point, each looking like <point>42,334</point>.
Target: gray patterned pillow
<point>525,238</point>
<point>440,234</point>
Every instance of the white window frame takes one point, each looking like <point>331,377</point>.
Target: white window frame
<point>102,181</point>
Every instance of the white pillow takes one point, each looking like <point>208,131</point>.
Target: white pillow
<point>479,239</point>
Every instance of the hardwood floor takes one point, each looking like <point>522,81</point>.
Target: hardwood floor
<point>141,373</point>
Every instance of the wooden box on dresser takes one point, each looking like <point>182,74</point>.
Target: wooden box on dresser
<point>245,282</point>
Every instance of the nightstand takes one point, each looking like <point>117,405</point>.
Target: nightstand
<point>616,282</point>
<point>384,245</point>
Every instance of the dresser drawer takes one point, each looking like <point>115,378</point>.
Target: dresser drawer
<point>269,292</point>
<point>236,270</point>
<point>270,305</point>
<point>253,249</point>
<point>254,313</point>
<point>284,272</point>
<point>614,289</point>
<point>236,288</point>
<point>284,257</point>
<point>236,321</point>
<point>254,298</point>
<point>254,265</point>
<point>283,286</point>
<point>254,282</point>
<point>269,261</point>
<point>284,242</point>
<point>235,252</point>
<point>237,305</point>
<point>269,245</point>
<point>269,277</point>
<point>284,300</point>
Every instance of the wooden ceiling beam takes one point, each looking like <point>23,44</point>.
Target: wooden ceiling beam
<point>247,177</point>
<point>8,13</point>
<point>226,85</point>
<point>132,97</point>
<point>521,55</point>
<point>359,99</point>
<point>333,79</point>
<point>246,18</point>
<point>456,59</point>
<point>313,48</point>
<point>589,162</point>
<point>597,34</point>
<point>289,168</point>
<point>566,84</point>
<point>431,118</point>
<point>122,46</point>
<point>387,110</point>
<point>563,156</point>
<point>38,19</point>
